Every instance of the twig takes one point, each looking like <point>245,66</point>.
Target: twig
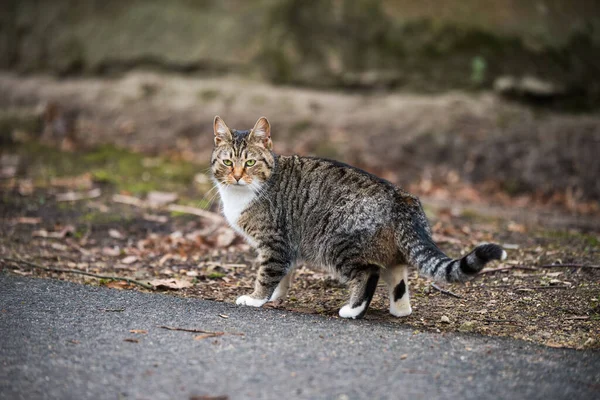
<point>501,321</point>
<point>485,271</point>
<point>569,266</point>
<point>444,291</point>
<point>194,330</point>
<point>544,287</point>
<point>196,211</point>
<point>578,317</point>
<point>75,271</point>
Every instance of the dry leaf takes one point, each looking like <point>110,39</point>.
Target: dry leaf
<point>156,218</point>
<point>129,260</point>
<point>58,246</point>
<point>172,284</point>
<point>56,235</point>
<point>159,199</point>
<point>78,182</point>
<point>129,200</point>
<point>28,220</point>
<point>117,285</point>
<point>208,335</point>
<point>115,234</point>
<point>223,316</point>
<point>131,340</point>
<point>404,356</point>
<point>74,196</point>
<point>111,251</point>
<point>224,237</point>
<point>514,227</point>
<point>138,331</point>
<point>25,187</point>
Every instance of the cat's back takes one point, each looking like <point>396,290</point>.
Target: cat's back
<point>317,189</point>
<point>331,176</point>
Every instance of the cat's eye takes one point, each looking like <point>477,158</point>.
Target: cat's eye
<point>229,163</point>
<point>250,163</point>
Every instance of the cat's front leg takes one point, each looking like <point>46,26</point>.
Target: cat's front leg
<point>272,280</point>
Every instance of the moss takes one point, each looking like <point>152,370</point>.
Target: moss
<point>111,165</point>
<point>207,95</point>
<point>215,275</point>
<point>588,239</point>
<point>300,126</point>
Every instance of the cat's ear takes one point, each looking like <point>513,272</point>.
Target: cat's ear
<point>261,133</point>
<point>222,132</point>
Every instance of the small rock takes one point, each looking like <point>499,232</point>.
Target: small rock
<point>467,326</point>
<point>445,319</point>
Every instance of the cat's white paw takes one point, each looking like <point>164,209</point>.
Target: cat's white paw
<point>250,301</point>
<point>400,310</point>
<point>348,312</point>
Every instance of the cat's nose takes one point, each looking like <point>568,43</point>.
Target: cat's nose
<point>237,173</point>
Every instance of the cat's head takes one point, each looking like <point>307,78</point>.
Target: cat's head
<point>242,158</point>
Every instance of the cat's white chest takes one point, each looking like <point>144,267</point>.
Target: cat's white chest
<point>235,200</point>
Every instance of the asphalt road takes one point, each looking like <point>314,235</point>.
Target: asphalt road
<point>60,340</point>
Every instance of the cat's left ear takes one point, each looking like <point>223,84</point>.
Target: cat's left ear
<point>262,133</point>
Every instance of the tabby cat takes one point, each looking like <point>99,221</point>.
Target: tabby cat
<point>327,213</point>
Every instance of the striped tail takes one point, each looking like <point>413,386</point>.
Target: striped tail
<point>423,253</point>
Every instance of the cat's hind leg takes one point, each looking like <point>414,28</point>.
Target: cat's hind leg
<point>362,281</point>
<point>396,278</point>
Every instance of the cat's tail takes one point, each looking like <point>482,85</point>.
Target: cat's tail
<point>423,253</point>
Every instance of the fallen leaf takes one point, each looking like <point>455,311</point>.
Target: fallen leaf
<point>115,234</point>
<point>129,200</point>
<point>224,237</point>
<point>404,356</point>
<point>28,220</point>
<point>209,398</point>
<point>223,316</point>
<point>75,196</point>
<point>58,246</point>
<point>8,172</point>
<point>156,218</point>
<point>208,335</point>
<point>131,340</point>
<point>111,251</point>
<point>129,260</point>
<point>138,331</point>
<point>117,285</point>
<point>173,284</point>
<point>25,187</point>
<point>77,182</point>
<point>514,227</point>
<point>159,199</point>
<point>56,235</point>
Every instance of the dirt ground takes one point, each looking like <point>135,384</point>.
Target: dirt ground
<point>108,211</point>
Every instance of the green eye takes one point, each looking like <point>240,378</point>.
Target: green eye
<point>250,163</point>
<point>228,163</point>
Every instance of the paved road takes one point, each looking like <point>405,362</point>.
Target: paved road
<point>57,341</point>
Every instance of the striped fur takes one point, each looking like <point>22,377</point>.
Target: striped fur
<point>328,214</point>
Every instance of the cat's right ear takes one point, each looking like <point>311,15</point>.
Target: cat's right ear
<point>222,132</point>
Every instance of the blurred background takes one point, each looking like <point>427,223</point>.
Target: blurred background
<point>483,101</point>
<point>487,110</point>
